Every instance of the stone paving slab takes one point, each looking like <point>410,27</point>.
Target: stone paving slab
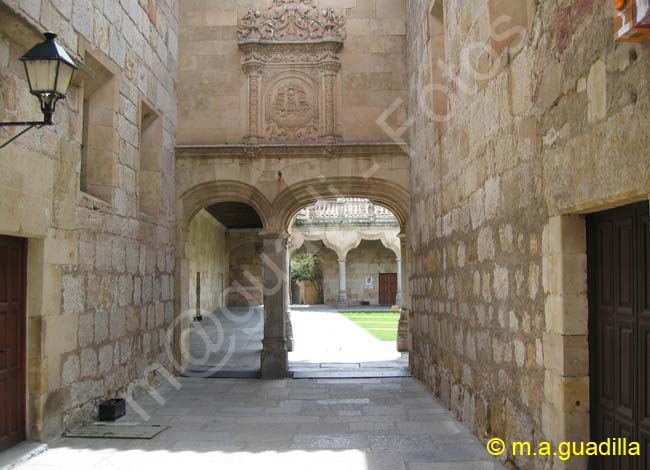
<point>238,424</point>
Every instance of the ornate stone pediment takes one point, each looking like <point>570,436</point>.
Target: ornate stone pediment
<point>290,58</point>
<point>291,20</point>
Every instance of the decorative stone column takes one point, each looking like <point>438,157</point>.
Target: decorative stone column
<point>274,347</point>
<point>403,334</point>
<point>329,70</point>
<point>343,292</point>
<point>254,72</point>
<point>398,297</point>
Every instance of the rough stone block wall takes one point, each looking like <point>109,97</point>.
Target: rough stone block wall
<point>556,125</point>
<point>100,276</point>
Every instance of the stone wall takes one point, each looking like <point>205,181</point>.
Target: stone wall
<point>208,256</point>
<point>100,273</point>
<point>556,125</point>
<point>245,277</point>
<point>368,260</point>
<point>213,99</point>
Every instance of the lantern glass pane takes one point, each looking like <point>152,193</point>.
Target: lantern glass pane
<point>65,76</point>
<point>42,75</point>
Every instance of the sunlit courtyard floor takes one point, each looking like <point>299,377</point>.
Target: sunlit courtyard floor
<point>359,424</point>
<point>326,340</point>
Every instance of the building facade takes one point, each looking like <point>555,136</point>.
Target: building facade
<point>527,120</point>
<point>90,203</point>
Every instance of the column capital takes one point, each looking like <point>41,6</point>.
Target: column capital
<point>253,68</point>
<point>278,235</point>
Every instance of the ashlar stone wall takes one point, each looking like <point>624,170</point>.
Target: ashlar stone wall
<point>555,126</point>
<point>100,272</point>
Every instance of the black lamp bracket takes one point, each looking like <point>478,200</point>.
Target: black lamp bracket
<point>30,126</point>
<point>47,121</point>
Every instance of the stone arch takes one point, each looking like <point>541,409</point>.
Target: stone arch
<point>190,203</point>
<point>382,192</point>
<point>205,194</point>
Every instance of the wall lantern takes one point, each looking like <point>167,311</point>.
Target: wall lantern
<point>49,71</point>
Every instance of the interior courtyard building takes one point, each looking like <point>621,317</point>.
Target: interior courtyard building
<point>483,165</point>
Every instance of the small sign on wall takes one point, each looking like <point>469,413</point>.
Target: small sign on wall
<point>632,21</point>
<point>370,281</point>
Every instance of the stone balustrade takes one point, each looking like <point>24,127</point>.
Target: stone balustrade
<point>348,211</point>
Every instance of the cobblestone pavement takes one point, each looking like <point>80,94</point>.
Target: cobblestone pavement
<point>359,424</point>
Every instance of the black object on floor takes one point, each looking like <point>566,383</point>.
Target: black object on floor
<point>112,409</point>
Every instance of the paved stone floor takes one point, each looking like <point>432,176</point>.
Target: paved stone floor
<point>226,342</point>
<point>358,424</point>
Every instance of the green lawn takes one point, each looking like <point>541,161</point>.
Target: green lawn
<point>382,325</point>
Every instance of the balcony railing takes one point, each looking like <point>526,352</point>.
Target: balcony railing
<point>346,211</point>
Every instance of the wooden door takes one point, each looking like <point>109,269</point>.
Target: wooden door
<point>387,289</point>
<point>12,340</point>
<point>619,330</point>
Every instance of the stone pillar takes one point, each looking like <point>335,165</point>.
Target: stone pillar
<point>287,319</point>
<point>398,297</point>
<point>403,334</point>
<point>343,290</point>
<point>274,347</point>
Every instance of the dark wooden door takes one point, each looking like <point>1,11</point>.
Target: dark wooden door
<point>619,330</point>
<point>12,340</point>
<point>387,289</point>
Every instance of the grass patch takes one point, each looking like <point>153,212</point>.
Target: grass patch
<point>382,325</point>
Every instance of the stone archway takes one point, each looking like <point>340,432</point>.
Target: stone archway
<point>378,190</point>
<point>202,195</point>
<point>277,181</point>
<point>189,204</point>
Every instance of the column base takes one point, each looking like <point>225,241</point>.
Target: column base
<point>403,332</point>
<point>275,362</point>
<point>342,301</point>
<point>289,330</point>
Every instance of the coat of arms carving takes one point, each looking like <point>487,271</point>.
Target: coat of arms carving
<point>290,58</point>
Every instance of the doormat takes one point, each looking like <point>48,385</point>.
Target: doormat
<point>118,431</point>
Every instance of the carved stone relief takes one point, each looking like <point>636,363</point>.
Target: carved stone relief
<point>291,20</point>
<point>290,58</point>
<point>291,106</point>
